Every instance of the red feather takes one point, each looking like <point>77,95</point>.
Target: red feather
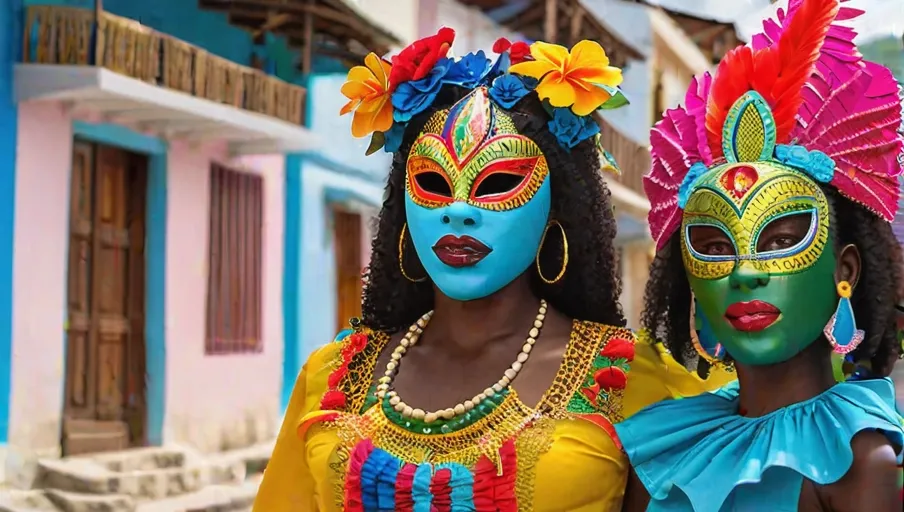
<point>778,72</point>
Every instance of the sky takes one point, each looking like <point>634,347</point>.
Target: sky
<point>882,18</point>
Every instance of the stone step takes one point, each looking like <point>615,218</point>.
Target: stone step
<point>215,498</point>
<point>76,502</point>
<point>14,500</point>
<point>86,475</point>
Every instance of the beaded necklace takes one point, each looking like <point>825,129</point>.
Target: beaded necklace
<point>462,414</point>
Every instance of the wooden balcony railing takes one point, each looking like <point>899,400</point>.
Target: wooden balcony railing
<point>78,37</point>
<point>632,158</point>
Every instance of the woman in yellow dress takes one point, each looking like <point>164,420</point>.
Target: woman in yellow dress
<point>491,360</point>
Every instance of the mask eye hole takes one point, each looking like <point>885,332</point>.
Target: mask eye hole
<point>784,232</point>
<point>710,241</point>
<point>498,183</point>
<point>433,183</point>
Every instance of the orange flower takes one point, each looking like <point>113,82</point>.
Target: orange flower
<point>367,88</point>
<point>576,79</point>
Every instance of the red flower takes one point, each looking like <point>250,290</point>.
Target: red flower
<point>501,45</point>
<point>332,400</point>
<point>611,377</point>
<point>357,341</point>
<point>619,348</point>
<point>418,58</point>
<point>336,377</point>
<point>520,52</point>
<point>355,344</point>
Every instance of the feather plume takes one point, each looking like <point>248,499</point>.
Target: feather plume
<point>777,71</point>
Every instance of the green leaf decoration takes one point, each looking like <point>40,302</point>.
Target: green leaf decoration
<point>377,141</point>
<point>617,99</point>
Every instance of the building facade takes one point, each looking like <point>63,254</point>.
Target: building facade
<point>148,152</point>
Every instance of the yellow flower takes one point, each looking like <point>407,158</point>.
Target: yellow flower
<point>367,88</point>
<point>571,79</point>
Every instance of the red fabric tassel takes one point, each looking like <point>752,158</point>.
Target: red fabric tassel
<point>494,492</point>
<point>353,477</point>
<point>441,491</point>
<point>404,482</point>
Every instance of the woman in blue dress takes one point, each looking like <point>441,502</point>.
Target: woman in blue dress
<point>772,192</point>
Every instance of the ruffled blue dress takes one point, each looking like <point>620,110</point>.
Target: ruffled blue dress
<point>699,455</point>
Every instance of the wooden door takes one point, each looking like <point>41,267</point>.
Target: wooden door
<point>104,408</point>
<point>347,228</point>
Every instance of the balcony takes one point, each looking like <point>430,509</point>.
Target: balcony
<point>634,161</point>
<point>563,22</point>
<point>134,75</point>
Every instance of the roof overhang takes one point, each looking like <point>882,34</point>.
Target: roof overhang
<point>630,201</point>
<point>165,112</point>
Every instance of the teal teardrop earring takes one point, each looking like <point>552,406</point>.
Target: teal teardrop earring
<point>841,331</point>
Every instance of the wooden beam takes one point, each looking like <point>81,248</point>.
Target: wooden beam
<point>577,19</point>
<point>550,22</point>
<point>308,50</point>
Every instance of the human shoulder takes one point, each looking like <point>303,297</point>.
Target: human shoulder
<point>871,483</point>
<point>656,375</point>
<point>601,355</point>
<point>342,371</point>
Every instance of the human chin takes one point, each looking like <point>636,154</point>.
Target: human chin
<point>512,237</point>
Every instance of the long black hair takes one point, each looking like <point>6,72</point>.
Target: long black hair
<point>667,299</point>
<point>591,286</point>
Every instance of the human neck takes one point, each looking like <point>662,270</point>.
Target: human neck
<point>764,389</point>
<point>466,329</point>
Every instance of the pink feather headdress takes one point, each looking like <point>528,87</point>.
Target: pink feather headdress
<point>822,95</point>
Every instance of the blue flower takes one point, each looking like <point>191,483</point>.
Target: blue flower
<point>469,71</point>
<point>816,164</point>
<point>571,130</point>
<point>412,98</point>
<point>500,67</point>
<point>687,184</point>
<point>393,137</point>
<point>507,90</point>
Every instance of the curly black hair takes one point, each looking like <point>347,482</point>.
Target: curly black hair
<point>591,285</point>
<point>667,298</point>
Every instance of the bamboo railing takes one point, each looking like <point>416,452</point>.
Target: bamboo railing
<point>632,158</point>
<point>77,37</point>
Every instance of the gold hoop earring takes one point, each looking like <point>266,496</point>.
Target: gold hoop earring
<point>401,257</point>
<point>564,253</point>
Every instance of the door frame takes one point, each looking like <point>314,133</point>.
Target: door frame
<point>155,259</point>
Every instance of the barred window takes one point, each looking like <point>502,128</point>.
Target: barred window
<point>234,267</point>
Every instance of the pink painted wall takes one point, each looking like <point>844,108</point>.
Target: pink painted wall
<point>39,286</point>
<point>212,402</point>
<point>224,400</point>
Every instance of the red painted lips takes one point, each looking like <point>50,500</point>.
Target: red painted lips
<point>459,252</point>
<point>753,316</point>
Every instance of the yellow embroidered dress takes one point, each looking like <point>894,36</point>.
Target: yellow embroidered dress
<point>340,448</point>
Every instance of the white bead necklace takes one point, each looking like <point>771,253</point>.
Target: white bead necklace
<point>411,337</point>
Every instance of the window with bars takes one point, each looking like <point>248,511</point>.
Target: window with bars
<point>234,267</point>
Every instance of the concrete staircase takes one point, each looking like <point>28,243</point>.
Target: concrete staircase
<point>144,480</point>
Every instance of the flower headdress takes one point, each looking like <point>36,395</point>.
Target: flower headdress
<point>385,96</point>
<point>800,94</point>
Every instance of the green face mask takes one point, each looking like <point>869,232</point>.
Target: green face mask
<point>757,250</point>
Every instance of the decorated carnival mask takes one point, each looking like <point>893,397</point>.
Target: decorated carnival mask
<point>737,174</point>
<point>478,198</point>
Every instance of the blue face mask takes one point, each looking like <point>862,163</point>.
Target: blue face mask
<point>478,199</point>
<point>512,238</point>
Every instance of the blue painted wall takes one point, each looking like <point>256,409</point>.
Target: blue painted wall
<point>338,172</point>
<point>10,38</point>
<point>155,258</point>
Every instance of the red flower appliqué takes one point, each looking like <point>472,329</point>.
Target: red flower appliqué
<point>334,398</point>
<point>418,58</point>
<point>619,348</point>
